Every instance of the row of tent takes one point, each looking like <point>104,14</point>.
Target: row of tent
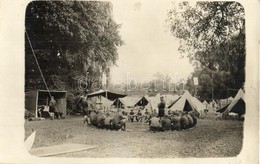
<point>106,99</point>
<point>186,102</point>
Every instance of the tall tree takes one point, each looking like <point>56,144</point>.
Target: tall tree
<point>212,35</point>
<point>70,39</point>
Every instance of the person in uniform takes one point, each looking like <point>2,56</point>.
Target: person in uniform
<point>84,105</point>
<point>139,116</point>
<point>131,115</point>
<point>101,120</point>
<point>161,107</point>
<point>52,106</point>
<point>166,123</point>
<point>108,122</point>
<point>93,118</point>
<point>119,121</point>
<point>155,124</point>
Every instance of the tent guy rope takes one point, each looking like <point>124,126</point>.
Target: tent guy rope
<point>38,65</point>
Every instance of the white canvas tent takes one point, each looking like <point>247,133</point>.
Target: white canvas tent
<point>152,105</point>
<point>237,105</point>
<point>169,99</point>
<point>126,102</point>
<point>143,101</point>
<point>198,105</point>
<point>187,103</point>
<point>103,102</point>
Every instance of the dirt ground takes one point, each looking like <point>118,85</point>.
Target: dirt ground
<point>209,138</point>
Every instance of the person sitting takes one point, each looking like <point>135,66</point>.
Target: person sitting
<point>184,121</point>
<point>101,120</point>
<point>139,116</point>
<point>119,121</point>
<point>175,122</point>
<point>155,124</point>
<point>166,123</point>
<point>93,118</point>
<point>146,116</point>
<point>108,121</point>
<point>131,116</point>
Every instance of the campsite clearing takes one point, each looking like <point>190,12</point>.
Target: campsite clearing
<point>209,138</point>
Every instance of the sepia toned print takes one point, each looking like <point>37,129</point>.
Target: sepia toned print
<point>134,79</point>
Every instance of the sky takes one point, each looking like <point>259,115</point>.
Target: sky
<point>149,46</point>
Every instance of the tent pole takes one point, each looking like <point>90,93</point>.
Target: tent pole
<point>36,111</point>
<point>227,95</point>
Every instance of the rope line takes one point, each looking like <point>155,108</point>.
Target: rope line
<point>38,65</point>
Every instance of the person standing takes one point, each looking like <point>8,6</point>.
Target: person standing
<point>84,104</point>
<point>161,107</point>
<point>52,106</point>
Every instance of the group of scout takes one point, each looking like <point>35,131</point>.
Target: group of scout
<point>109,120</point>
<point>172,121</point>
<point>139,116</point>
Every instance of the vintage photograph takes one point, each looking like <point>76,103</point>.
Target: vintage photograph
<point>134,79</point>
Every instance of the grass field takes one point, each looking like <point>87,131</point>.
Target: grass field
<point>209,138</point>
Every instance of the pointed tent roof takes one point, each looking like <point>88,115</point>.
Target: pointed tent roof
<point>185,103</point>
<point>126,101</point>
<point>143,101</point>
<point>110,95</point>
<point>237,105</point>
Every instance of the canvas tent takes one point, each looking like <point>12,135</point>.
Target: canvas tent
<point>198,105</point>
<point>237,105</point>
<point>185,103</point>
<point>103,102</point>
<point>35,99</point>
<point>153,102</point>
<point>175,100</point>
<point>170,99</point>
<point>109,95</point>
<point>221,110</point>
<point>125,102</point>
<point>142,101</point>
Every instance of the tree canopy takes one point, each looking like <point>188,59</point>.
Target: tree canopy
<point>70,39</point>
<point>212,36</point>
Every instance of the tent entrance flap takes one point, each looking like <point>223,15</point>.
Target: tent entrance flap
<point>187,107</point>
